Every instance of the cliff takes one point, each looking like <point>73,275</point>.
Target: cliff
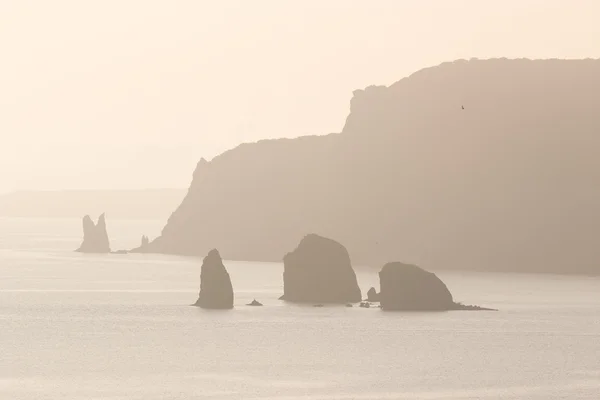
<point>488,165</point>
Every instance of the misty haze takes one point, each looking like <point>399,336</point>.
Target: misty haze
<point>300,200</point>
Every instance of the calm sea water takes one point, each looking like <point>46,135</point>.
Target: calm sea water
<point>76,326</point>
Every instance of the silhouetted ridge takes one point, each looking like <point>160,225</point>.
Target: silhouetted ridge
<point>507,183</point>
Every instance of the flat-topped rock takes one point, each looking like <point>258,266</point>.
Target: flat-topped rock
<point>319,271</point>
<point>216,291</point>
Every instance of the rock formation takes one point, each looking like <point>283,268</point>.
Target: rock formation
<point>143,246</point>
<point>95,237</point>
<point>319,270</point>
<point>254,303</point>
<point>373,296</point>
<point>216,291</point>
<point>406,287</point>
<point>513,173</point>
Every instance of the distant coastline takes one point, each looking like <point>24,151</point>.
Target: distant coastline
<point>121,204</point>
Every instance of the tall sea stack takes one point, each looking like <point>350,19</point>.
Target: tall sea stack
<point>216,291</point>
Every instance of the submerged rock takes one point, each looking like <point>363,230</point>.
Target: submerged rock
<point>407,287</point>
<point>319,270</point>
<point>95,237</point>
<point>373,296</point>
<point>254,303</point>
<point>216,291</point>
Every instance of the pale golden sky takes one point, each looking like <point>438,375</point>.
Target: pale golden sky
<point>130,94</point>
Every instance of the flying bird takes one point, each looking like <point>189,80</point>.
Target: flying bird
<point>463,107</point>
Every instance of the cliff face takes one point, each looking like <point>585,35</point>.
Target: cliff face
<point>510,182</point>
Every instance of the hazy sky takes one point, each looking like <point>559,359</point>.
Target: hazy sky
<point>130,94</point>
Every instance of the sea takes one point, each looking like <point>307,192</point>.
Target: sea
<point>86,327</point>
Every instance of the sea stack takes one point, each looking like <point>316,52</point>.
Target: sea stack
<point>143,245</point>
<point>373,296</point>
<point>216,291</point>
<point>319,271</point>
<point>407,287</point>
<point>95,237</point>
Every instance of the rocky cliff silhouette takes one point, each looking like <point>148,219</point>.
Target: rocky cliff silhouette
<point>488,165</point>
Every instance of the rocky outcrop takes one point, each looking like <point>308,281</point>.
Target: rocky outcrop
<point>254,303</point>
<point>95,237</point>
<point>216,291</point>
<point>406,287</point>
<point>373,296</point>
<point>513,172</point>
<point>319,271</point>
<point>144,245</point>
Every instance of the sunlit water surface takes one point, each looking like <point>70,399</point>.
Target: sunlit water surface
<point>76,326</point>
